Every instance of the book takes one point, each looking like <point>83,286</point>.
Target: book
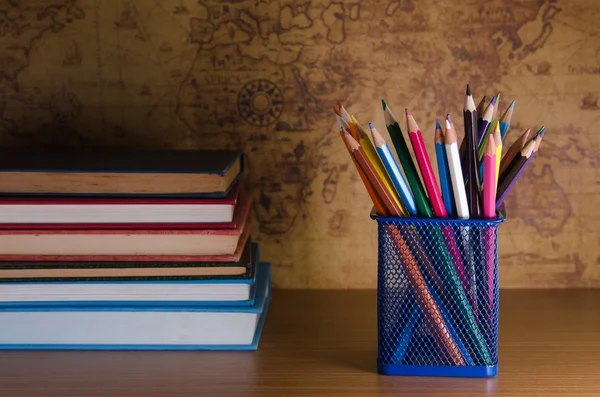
<point>65,291</point>
<point>191,327</point>
<point>118,171</point>
<point>49,259</point>
<point>40,243</point>
<point>31,211</point>
<point>46,271</point>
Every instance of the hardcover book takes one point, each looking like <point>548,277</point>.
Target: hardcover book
<point>118,171</point>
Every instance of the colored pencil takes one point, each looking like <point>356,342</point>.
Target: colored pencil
<point>516,169</point>
<point>444,171</point>
<point>498,142</point>
<point>489,179</point>
<point>344,113</point>
<point>481,107</point>
<point>394,172</point>
<point>456,275</point>
<point>495,132</point>
<point>377,182</point>
<point>347,119</point>
<point>487,131</point>
<point>470,117</point>
<point>485,122</point>
<point>506,118</point>
<point>342,124</point>
<point>462,207</point>
<point>489,212</point>
<point>406,160</point>
<point>419,287</point>
<point>369,149</point>
<point>439,210</point>
<point>512,151</point>
<point>539,132</point>
<point>377,202</point>
<point>458,185</point>
<point>422,157</point>
<point>496,106</point>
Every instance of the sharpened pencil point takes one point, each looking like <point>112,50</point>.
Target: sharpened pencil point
<point>371,126</point>
<point>448,118</point>
<point>407,112</point>
<point>494,99</point>
<point>512,104</point>
<point>437,124</point>
<point>383,104</point>
<point>468,89</point>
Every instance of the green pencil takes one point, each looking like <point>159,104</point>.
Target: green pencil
<point>412,176</point>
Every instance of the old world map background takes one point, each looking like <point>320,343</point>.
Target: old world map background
<point>264,75</point>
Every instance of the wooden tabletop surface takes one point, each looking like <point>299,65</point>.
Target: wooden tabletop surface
<point>323,343</point>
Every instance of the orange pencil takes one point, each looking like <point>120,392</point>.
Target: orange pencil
<point>379,206</point>
<point>422,294</point>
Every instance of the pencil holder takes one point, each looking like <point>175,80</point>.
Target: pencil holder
<point>437,297</point>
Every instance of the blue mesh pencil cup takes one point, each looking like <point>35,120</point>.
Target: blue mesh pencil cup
<point>437,296</point>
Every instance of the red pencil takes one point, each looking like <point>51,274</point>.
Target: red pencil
<point>425,166</point>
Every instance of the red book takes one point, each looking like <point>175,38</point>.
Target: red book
<point>184,245</point>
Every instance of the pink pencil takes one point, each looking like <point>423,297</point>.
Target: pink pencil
<point>489,179</point>
<point>425,166</point>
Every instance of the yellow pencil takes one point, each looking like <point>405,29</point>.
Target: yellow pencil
<point>367,145</point>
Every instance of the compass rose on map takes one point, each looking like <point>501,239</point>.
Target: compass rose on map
<point>260,102</point>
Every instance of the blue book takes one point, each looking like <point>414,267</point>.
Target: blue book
<point>218,290</point>
<point>160,327</point>
<point>119,171</point>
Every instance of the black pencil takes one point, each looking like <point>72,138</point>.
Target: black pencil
<point>472,159</point>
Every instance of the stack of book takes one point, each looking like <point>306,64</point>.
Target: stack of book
<point>128,249</point>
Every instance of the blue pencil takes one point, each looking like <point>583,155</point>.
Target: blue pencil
<point>505,120</point>
<point>444,172</point>
<point>392,168</point>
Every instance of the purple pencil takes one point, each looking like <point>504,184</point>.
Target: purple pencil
<point>516,169</point>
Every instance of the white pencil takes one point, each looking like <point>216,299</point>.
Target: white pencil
<point>458,183</point>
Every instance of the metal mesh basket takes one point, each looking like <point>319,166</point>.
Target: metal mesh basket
<point>437,297</point>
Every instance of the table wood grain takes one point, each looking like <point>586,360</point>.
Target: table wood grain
<point>324,343</point>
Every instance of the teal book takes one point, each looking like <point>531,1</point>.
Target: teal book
<point>156,327</point>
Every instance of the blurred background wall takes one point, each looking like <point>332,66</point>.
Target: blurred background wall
<point>264,75</point>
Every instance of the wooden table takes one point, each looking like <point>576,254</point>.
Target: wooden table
<point>318,343</point>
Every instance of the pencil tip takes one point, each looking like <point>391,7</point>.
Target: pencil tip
<point>468,89</point>
<point>407,112</point>
<point>512,104</point>
<point>340,104</point>
<point>371,126</point>
<point>437,124</point>
<point>448,118</point>
<point>494,99</point>
<point>383,104</point>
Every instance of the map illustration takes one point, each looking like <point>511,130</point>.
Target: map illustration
<point>264,76</point>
